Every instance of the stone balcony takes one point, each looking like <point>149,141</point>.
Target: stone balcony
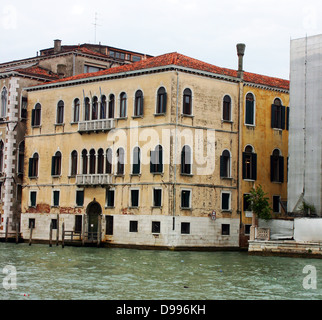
<point>89,180</point>
<point>96,125</point>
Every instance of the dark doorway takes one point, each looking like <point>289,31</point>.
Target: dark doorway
<point>94,211</point>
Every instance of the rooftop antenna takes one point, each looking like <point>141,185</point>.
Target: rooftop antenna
<point>95,26</point>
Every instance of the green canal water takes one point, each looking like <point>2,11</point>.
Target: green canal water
<point>70,273</point>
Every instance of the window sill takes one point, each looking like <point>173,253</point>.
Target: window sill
<point>226,178</point>
<point>135,117</point>
<point>159,114</point>
<point>277,182</point>
<point>249,180</point>
<point>187,115</point>
<point>55,206</point>
<point>56,176</point>
<point>184,208</point>
<point>109,207</point>
<point>73,122</point>
<point>71,177</point>
<point>119,175</point>
<point>35,177</point>
<point>59,124</point>
<point>156,207</point>
<point>226,210</point>
<point>121,118</point>
<point>186,174</point>
<point>250,125</point>
<point>135,174</point>
<point>36,126</point>
<point>157,173</point>
<point>133,207</point>
<point>278,129</point>
<point>227,121</point>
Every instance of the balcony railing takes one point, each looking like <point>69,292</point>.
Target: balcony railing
<point>96,125</point>
<point>93,179</point>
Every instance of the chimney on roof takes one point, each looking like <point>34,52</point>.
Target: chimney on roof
<point>240,52</point>
<point>57,46</point>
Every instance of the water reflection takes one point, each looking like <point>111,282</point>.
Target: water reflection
<point>115,274</point>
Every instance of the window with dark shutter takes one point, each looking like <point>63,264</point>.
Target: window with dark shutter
<point>33,166</point>
<point>133,226</point>
<point>94,108</point>
<point>79,198</point>
<point>78,223</point>
<point>108,164</point>
<point>60,112</point>
<point>277,167</point>
<point>92,162</point>
<point>103,107</point>
<point>250,109</point>
<point>109,225</point>
<point>225,229</point>
<point>227,108</point>
<point>161,101</point>
<point>100,161</point>
<point>156,160</point>
<point>111,105</point>
<point>276,204</point>
<point>36,115</point>
<point>73,170</point>
<point>187,102</point>
<point>249,164</point>
<point>225,201</point>
<point>56,164</point>
<point>185,227</point>
<point>157,194</point>
<point>246,203</point>
<point>185,199</point>
<point>134,198</point>
<point>136,161</point>
<point>56,195</point>
<point>156,226</point>
<point>186,156</point>
<point>120,161</point>
<point>84,161</point>
<point>110,195</point>
<point>123,105</point>
<point>33,198</point>
<point>138,104</point>
<point>87,107</point>
<point>76,110</point>
<point>225,164</point>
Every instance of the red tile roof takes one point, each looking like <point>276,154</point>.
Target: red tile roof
<point>38,72</point>
<point>180,60</point>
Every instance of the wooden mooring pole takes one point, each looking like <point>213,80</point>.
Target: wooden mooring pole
<point>17,232</point>
<point>63,235</point>
<point>57,231</point>
<point>51,234</point>
<point>7,225</point>
<point>30,237</point>
<point>83,231</point>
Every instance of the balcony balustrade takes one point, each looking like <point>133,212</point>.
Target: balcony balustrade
<point>96,125</point>
<point>93,179</point>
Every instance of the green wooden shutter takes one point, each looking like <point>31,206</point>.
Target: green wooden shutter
<point>164,106</point>
<point>249,112</point>
<point>53,165</point>
<point>244,165</point>
<point>281,169</point>
<point>33,117</point>
<point>30,173</point>
<point>283,117</point>
<point>273,120</point>
<point>287,118</point>
<point>272,168</point>
<point>254,166</point>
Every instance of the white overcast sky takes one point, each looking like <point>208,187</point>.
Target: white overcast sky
<point>207,30</point>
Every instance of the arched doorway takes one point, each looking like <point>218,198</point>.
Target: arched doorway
<point>94,211</point>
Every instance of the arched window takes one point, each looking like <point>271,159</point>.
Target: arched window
<point>87,109</point>
<point>111,106</point>
<point>226,108</point>
<point>249,164</point>
<point>76,107</point>
<point>103,107</point>
<point>60,112</point>
<point>33,166</point>
<point>84,161</point>
<point>21,155</point>
<point>161,101</point>
<point>250,109</point>
<point>156,160</point>
<point>138,103</point>
<point>278,114</point>
<point>108,165</point>
<point>4,102</point>
<point>92,161</point>
<point>123,104</point>
<point>186,160</point>
<point>136,161</point>
<point>73,169</point>
<point>56,164</point>
<point>225,164</point>
<point>1,156</point>
<point>36,115</point>
<point>100,161</point>
<point>120,161</point>
<point>277,166</point>
<point>187,102</point>
<point>94,108</point>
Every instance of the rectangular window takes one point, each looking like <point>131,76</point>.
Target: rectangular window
<point>157,197</point>
<point>134,198</point>
<point>185,199</point>
<point>33,198</point>
<point>156,226</point>
<point>78,223</point>
<point>276,204</point>
<point>56,195</point>
<point>246,203</point>
<point>185,227</point>
<point>225,201</point>
<point>109,225</point>
<point>79,198</point>
<point>133,226</point>
<point>278,117</point>
<point>24,103</point>
<point>32,223</point>
<point>54,224</point>
<point>225,229</point>
<point>247,228</point>
<point>110,195</point>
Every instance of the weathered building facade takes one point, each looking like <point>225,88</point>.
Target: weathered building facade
<point>148,154</point>
<point>54,63</point>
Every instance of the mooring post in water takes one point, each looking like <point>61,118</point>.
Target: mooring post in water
<point>63,235</point>
<point>99,231</point>
<point>17,232</point>
<point>50,234</point>
<point>7,225</point>
<point>83,231</point>
<point>57,231</point>
<point>30,237</point>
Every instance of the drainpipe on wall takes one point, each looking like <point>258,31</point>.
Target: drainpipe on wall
<point>240,74</point>
<point>175,152</point>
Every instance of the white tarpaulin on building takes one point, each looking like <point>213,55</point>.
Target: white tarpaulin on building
<point>280,229</point>
<point>306,229</point>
